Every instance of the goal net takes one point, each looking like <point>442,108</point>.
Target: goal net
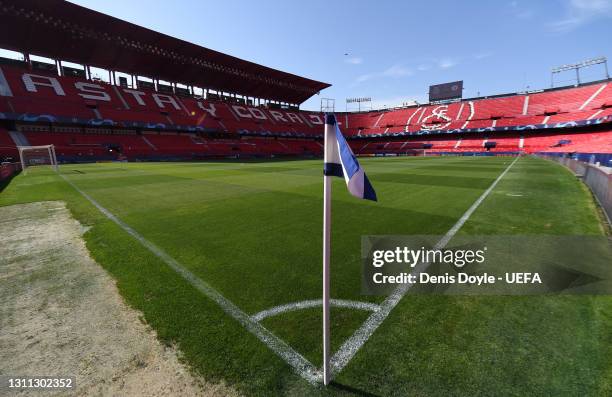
<point>37,155</point>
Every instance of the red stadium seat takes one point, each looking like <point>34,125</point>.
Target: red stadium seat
<point>163,118</point>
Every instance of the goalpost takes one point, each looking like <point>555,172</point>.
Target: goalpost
<point>37,155</point>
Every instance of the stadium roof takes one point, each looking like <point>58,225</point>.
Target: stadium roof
<point>61,30</point>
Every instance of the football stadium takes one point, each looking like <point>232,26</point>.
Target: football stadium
<point>177,220</point>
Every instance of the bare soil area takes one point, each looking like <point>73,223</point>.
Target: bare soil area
<point>61,315</point>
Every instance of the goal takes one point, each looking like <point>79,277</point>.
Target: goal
<point>37,155</point>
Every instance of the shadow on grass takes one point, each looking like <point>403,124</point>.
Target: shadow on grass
<point>350,389</point>
<point>4,183</point>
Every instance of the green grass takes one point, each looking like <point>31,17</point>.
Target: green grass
<point>253,231</point>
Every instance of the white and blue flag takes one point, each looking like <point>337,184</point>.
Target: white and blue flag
<point>340,161</point>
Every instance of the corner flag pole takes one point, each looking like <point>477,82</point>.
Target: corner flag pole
<point>327,186</point>
<point>339,161</point>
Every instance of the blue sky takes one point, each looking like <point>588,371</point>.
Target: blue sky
<point>395,48</point>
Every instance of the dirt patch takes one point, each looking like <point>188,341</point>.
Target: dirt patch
<point>61,315</point>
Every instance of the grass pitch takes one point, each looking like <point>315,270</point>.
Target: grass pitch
<point>253,231</point>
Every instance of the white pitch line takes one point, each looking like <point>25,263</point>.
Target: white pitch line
<point>299,363</point>
<point>352,345</point>
<point>372,307</point>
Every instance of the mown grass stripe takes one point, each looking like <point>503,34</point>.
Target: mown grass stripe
<point>352,345</point>
<point>299,363</point>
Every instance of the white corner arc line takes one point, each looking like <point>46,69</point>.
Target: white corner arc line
<point>290,307</point>
<point>300,364</point>
<point>352,345</point>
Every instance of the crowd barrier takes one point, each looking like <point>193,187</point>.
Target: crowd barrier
<point>7,170</point>
<point>601,158</point>
<point>596,177</point>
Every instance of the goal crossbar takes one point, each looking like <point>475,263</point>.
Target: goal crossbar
<point>50,150</point>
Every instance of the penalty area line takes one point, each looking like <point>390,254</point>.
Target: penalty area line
<point>352,345</point>
<point>300,364</point>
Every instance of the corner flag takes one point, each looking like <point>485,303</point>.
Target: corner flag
<point>339,160</point>
<point>342,162</point>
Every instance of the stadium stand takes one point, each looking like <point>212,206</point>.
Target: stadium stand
<point>8,149</point>
<point>88,119</point>
<point>581,103</point>
<point>583,142</point>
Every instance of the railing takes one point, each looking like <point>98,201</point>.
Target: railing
<point>596,177</point>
